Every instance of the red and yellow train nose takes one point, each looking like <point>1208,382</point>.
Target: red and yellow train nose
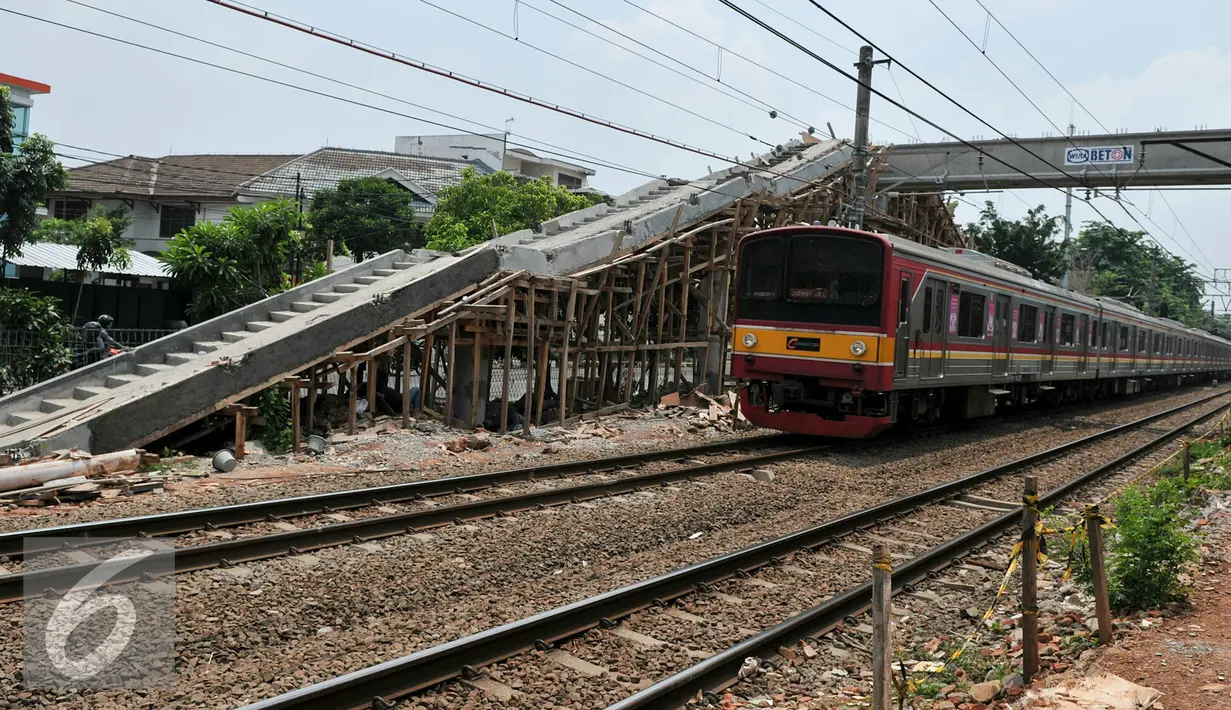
<point>817,346</point>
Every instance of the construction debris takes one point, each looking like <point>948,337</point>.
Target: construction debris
<point>66,464</point>
<point>701,411</point>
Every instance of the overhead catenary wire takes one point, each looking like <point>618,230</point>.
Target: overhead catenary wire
<point>744,97</point>
<point>762,67</point>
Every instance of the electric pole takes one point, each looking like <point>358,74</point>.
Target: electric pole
<point>1153,264</point>
<point>859,156</point>
<point>1068,227</point>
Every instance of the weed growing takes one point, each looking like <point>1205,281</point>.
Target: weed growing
<point>1152,548</point>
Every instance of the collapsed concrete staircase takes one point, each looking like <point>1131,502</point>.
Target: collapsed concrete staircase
<point>140,395</point>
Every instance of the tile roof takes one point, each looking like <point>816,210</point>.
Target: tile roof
<point>324,168</point>
<point>172,176</point>
<point>64,256</point>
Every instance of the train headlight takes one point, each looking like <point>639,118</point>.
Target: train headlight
<point>858,348</point>
<point>750,340</point>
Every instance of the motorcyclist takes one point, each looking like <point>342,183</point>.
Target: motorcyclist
<point>98,341</point>
<point>106,321</point>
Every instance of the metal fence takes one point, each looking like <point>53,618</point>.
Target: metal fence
<point>28,358</point>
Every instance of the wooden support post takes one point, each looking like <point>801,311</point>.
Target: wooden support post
<point>510,306</point>
<point>314,382</point>
<point>1186,457</point>
<point>1102,603</point>
<point>448,412</point>
<point>407,347</point>
<point>1030,561</point>
<point>474,381</point>
<point>882,626</point>
<point>528,406</point>
<point>582,366</point>
<point>328,256</point>
<point>562,392</point>
<point>540,381</point>
<point>352,396</point>
<point>604,368</point>
<point>427,388</point>
<point>296,434</point>
<point>241,432</point>
<point>371,394</point>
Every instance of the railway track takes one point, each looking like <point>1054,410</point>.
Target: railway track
<point>15,544</point>
<point>302,540</point>
<point>830,581</point>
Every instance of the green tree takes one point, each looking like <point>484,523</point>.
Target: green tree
<point>1029,242</point>
<point>41,354</point>
<point>237,261</point>
<point>99,239</point>
<point>1128,266</point>
<point>470,212</point>
<point>368,216</point>
<point>26,176</point>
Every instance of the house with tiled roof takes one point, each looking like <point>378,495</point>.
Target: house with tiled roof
<point>168,194</point>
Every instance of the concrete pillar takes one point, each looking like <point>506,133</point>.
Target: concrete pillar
<point>715,364</point>
<point>463,384</point>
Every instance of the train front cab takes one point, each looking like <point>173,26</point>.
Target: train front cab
<point>813,306</point>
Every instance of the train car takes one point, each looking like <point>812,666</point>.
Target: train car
<point>845,333</point>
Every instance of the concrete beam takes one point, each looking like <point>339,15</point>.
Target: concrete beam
<point>1148,159</point>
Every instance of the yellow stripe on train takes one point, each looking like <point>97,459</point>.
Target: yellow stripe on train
<point>822,345</point>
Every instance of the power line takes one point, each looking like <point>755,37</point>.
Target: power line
<point>761,66</point>
<point>752,167</point>
<point>806,28</point>
<point>1041,66</point>
<point>915,74</point>
<point>760,104</point>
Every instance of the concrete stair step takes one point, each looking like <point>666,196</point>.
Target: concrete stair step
<point>17,418</point>
<point>367,280</point>
<point>403,265</point>
<point>328,297</point>
<point>55,405</point>
<point>349,288</point>
<point>176,359</point>
<point>208,346</point>
<point>384,273</point>
<point>257,326</point>
<point>80,393</point>
<point>151,368</point>
<point>234,336</point>
<point>281,316</point>
<point>305,306</point>
<point>114,381</point>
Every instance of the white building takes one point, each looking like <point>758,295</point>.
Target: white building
<point>167,194</point>
<point>493,151</point>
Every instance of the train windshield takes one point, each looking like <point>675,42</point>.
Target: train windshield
<point>824,279</point>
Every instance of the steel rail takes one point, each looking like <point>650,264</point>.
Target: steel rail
<point>259,547</point>
<point>380,684</point>
<point>722,670</point>
<point>18,543</point>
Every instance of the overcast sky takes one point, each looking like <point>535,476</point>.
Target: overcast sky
<point>1132,64</point>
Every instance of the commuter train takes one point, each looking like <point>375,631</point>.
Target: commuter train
<point>845,333</point>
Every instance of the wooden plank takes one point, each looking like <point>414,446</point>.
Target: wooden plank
<point>449,374</point>
<point>510,300</point>
<point>528,399</point>
<point>407,347</point>
<point>568,317</point>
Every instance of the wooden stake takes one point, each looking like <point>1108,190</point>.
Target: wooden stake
<point>1030,561</point>
<point>352,396</point>
<point>1102,603</point>
<point>528,406</point>
<point>449,374</point>
<point>568,327</point>
<point>1186,457</point>
<point>407,346</point>
<point>882,626</point>
<point>540,382</point>
<point>510,305</point>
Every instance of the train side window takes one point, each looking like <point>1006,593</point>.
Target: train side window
<point>1158,343</point>
<point>927,309</point>
<point>1068,326</point>
<point>1141,341</point>
<point>1027,323</point>
<point>1103,337</point>
<point>1123,337</point>
<point>971,311</point>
